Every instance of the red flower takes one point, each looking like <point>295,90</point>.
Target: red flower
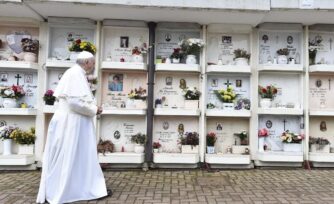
<point>78,41</point>
<point>275,91</point>
<point>264,90</point>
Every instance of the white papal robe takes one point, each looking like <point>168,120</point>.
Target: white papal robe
<point>71,170</point>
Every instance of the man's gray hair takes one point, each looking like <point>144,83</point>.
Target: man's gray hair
<point>83,61</point>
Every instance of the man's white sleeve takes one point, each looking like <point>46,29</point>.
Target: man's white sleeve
<point>82,106</point>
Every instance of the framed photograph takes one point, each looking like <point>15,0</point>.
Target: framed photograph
<point>238,83</point>
<point>227,39</point>
<point>115,82</point>
<point>124,42</point>
<point>169,81</point>
<point>214,83</point>
<point>28,78</point>
<point>4,77</point>
<point>219,126</point>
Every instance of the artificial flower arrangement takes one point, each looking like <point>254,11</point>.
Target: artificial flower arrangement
<point>226,96</point>
<point>192,46</point>
<point>105,146</point>
<point>92,81</point>
<point>191,93</point>
<point>79,46</point>
<point>23,137</point>
<point>268,91</point>
<point>139,138</point>
<point>263,132</point>
<point>156,145</point>
<point>30,45</point>
<point>177,54</point>
<point>283,51</point>
<point>290,137</point>
<point>49,98</point>
<point>240,53</point>
<point>243,137</point>
<point>211,139</point>
<point>5,132</point>
<point>138,50</point>
<point>139,93</point>
<point>191,138</point>
<point>15,92</point>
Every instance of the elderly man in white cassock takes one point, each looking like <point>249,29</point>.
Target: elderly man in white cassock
<point>71,170</point>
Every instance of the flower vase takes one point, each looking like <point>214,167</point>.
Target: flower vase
<point>241,61</point>
<point>265,102</point>
<point>30,57</point>
<point>49,102</point>
<point>210,149</point>
<point>155,150</point>
<point>191,104</point>
<point>139,148</point>
<point>282,59</point>
<point>130,103</point>
<point>7,147</point>
<point>175,61</point>
<point>191,59</point>
<point>137,58</point>
<point>292,147</point>
<point>9,103</point>
<point>261,144</point>
<point>25,149</point>
<point>74,56</point>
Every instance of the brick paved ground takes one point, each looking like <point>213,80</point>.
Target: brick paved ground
<point>193,186</point>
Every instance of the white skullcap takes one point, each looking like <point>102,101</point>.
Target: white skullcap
<point>85,55</point>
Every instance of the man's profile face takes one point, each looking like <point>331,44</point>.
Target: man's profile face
<point>90,65</point>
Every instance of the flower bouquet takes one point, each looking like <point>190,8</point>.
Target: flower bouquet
<point>49,98</point>
<point>79,46</point>
<point>227,97</point>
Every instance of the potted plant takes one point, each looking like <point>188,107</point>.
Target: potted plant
<point>211,139</point>
<point>49,98</point>
<point>243,135</point>
<point>30,48</point>
<point>227,97</point>
<point>191,96</point>
<point>25,140</point>
<point>78,46</point>
<point>156,146</point>
<point>292,141</point>
<point>190,142</point>
<point>243,143</point>
<point>192,47</point>
<point>105,146</point>
<point>137,53</point>
<point>138,98</point>
<point>10,95</point>
<point>262,133</point>
<point>5,132</point>
<point>241,57</point>
<point>282,57</point>
<point>319,145</point>
<point>140,140</point>
<point>176,55</point>
<point>267,94</point>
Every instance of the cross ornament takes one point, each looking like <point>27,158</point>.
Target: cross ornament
<point>329,84</point>
<point>330,43</point>
<point>18,77</point>
<point>228,83</point>
<point>284,121</point>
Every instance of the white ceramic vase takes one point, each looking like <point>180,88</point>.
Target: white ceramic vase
<point>282,59</point>
<point>137,58</point>
<point>210,149</point>
<point>139,148</point>
<point>7,147</point>
<point>241,61</point>
<point>191,59</point>
<point>9,103</point>
<point>25,149</point>
<point>265,103</point>
<point>228,106</point>
<point>30,57</point>
<point>261,144</point>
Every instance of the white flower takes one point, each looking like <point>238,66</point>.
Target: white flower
<point>9,92</point>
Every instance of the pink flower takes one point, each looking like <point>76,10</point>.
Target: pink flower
<point>263,132</point>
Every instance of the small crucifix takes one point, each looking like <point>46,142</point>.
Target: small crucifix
<point>18,77</point>
<point>329,84</point>
<point>228,83</point>
<point>284,121</point>
<point>330,43</point>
